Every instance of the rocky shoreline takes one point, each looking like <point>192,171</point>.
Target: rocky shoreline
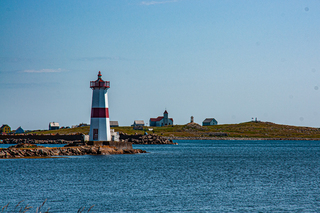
<point>241,139</point>
<point>33,141</point>
<point>23,150</point>
<point>134,139</point>
<point>145,139</point>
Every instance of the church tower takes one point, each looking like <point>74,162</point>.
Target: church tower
<point>165,118</point>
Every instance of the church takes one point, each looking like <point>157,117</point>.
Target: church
<point>161,120</point>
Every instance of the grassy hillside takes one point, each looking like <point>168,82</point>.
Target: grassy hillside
<point>243,130</point>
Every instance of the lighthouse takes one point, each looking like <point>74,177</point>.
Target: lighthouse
<point>100,123</point>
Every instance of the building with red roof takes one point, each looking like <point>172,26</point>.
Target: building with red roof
<point>161,120</point>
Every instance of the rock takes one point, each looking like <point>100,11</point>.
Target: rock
<point>105,150</point>
<point>25,151</point>
<point>94,151</point>
<point>145,139</point>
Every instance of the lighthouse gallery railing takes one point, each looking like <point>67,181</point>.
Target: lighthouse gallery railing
<point>105,84</point>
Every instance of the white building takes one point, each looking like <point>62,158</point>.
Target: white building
<point>53,126</point>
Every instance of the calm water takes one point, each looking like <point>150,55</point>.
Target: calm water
<point>195,176</point>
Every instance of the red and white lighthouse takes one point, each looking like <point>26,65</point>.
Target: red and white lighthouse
<point>100,122</point>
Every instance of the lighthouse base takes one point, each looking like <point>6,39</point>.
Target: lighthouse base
<point>118,145</point>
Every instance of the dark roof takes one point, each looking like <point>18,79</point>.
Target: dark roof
<point>4,125</point>
<point>208,120</point>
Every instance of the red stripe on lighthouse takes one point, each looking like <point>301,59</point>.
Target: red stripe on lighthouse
<point>99,113</point>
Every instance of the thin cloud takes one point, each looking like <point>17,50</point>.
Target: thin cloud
<point>147,3</point>
<point>100,58</point>
<point>43,71</point>
<point>14,60</point>
<point>23,85</point>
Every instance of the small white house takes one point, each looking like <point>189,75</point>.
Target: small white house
<point>115,136</point>
<point>53,126</point>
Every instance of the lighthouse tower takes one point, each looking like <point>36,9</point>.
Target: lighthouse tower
<point>100,123</point>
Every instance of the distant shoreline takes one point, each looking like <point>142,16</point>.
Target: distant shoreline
<point>191,131</point>
<point>242,139</point>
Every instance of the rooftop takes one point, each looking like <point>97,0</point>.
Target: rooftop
<point>139,122</point>
<point>208,120</point>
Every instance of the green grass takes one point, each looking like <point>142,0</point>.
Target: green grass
<point>243,130</point>
<point>83,130</point>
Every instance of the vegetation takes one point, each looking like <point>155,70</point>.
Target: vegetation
<point>242,130</point>
<point>68,131</point>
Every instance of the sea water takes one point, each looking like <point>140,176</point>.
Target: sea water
<point>194,176</point>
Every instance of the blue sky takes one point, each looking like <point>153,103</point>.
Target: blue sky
<point>231,60</point>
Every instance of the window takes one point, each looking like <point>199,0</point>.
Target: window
<point>95,134</point>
